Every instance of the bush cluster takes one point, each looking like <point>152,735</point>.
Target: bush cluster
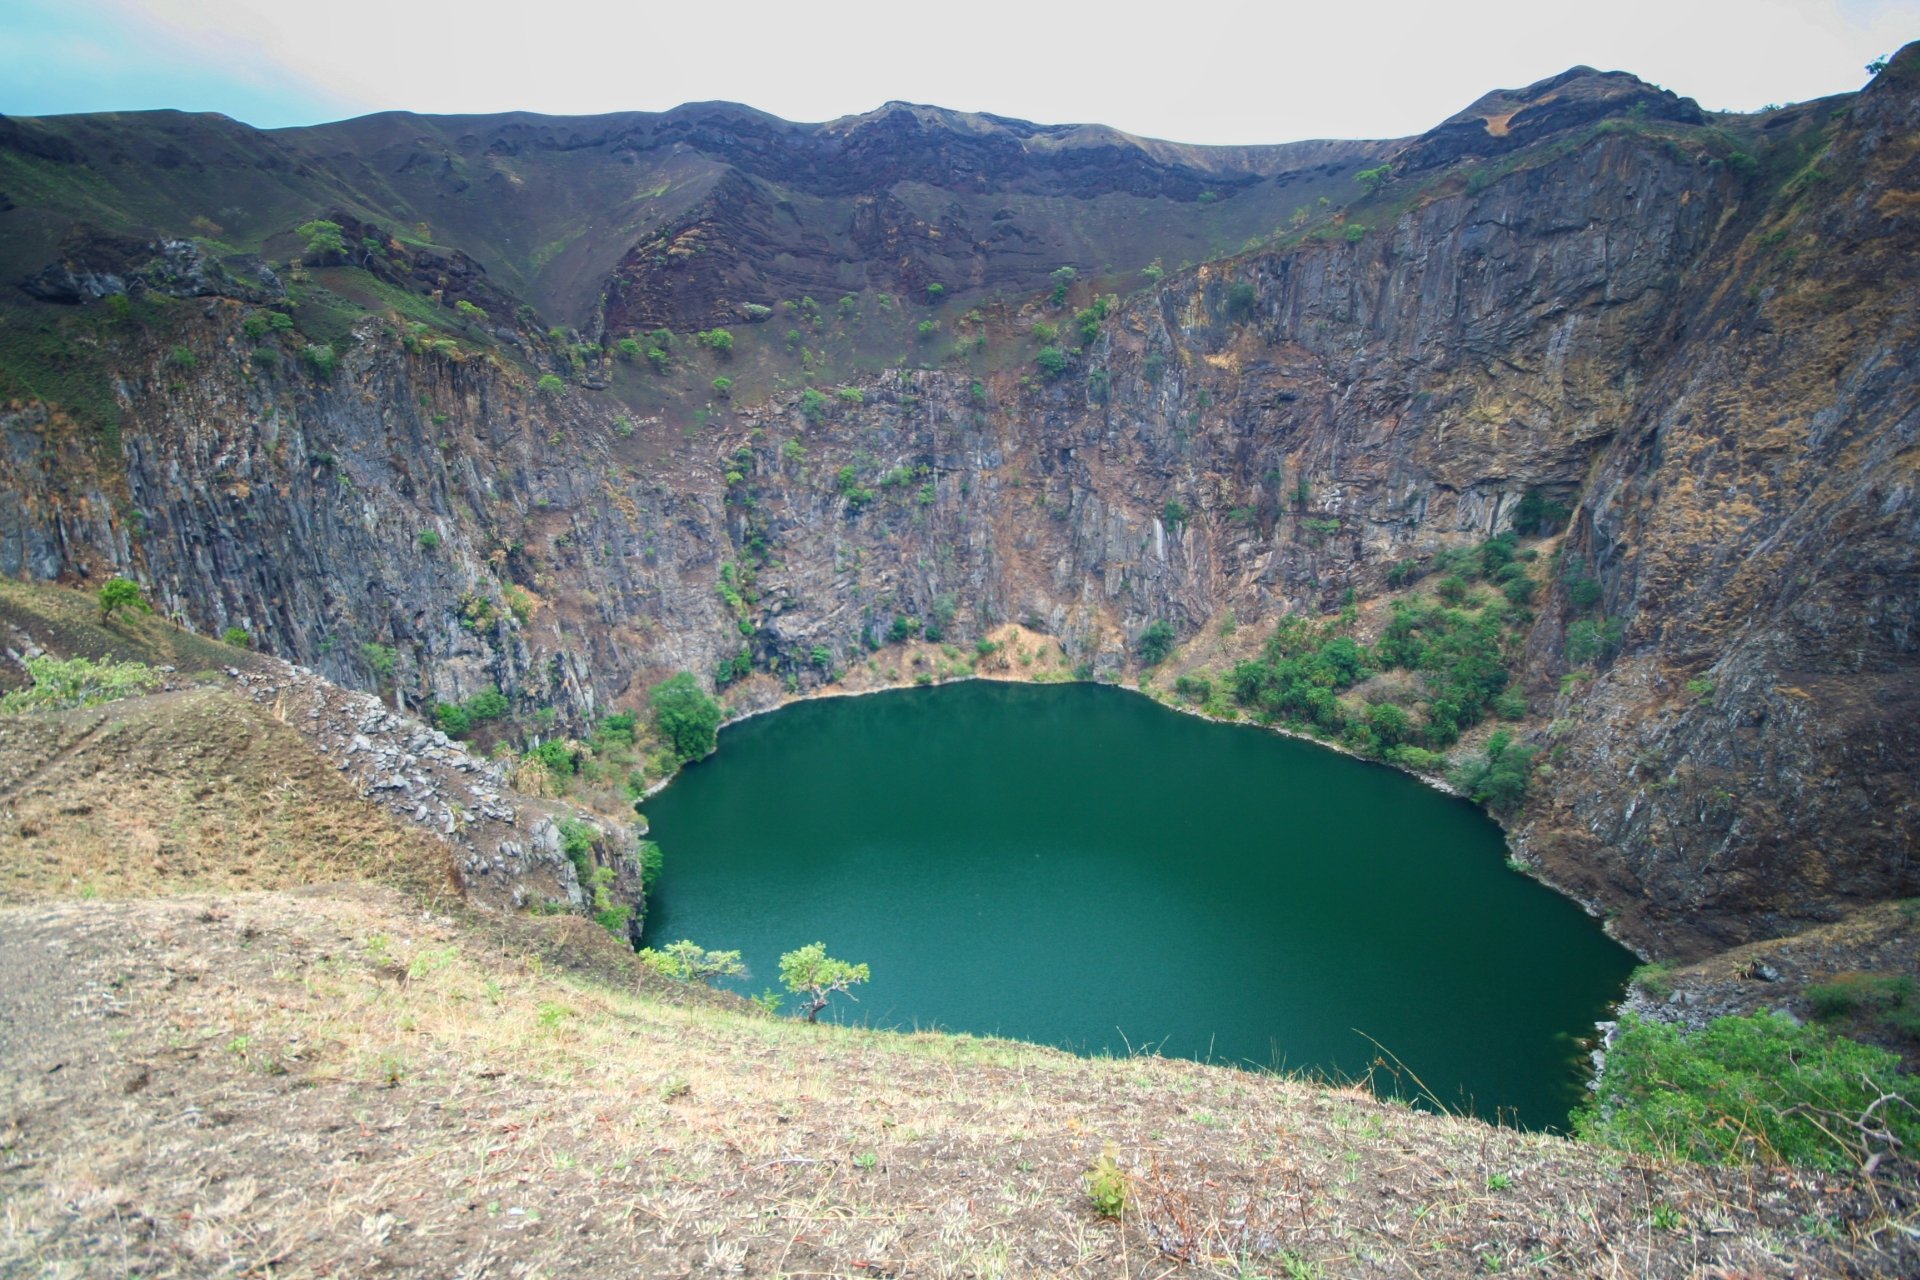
<point>62,683</point>
<point>457,719</point>
<point>1306,666</point>
<point>1756,1088</point>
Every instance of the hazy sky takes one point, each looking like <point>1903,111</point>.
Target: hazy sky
<point>1200,71</point>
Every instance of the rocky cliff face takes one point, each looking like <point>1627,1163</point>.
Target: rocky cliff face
<point>1696,334</point>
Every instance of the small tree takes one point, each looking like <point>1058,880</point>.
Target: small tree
<point>687,961</point>
<point>814,976</point>
<point>117,594</point>
<point>325,241</point>
<point>1063,278</point>
<point>685,716</point>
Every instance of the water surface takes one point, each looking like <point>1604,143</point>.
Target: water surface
<point>1078,866</point>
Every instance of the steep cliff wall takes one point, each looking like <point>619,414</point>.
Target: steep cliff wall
<point>1708,356</point>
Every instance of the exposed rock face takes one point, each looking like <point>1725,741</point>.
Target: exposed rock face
<point>509,848</point>
<point>1717,368</point>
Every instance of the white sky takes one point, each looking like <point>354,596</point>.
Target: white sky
<point>1202,71</point>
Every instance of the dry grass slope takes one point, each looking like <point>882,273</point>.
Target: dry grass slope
<point>334,1082</point>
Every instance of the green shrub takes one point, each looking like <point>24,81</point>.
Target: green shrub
<point>457,719</point>
<point>620,727</point>
<point>1052,361</point>
<point>1497,778</point>
<point>1087,320</point>
<point>1173,513</point>
<point>1888,1000</point>
<point>488,704</point>
<point>237,637</point>
<point>1063,278</point>
<point>325,240</point>
<point>380,658</point>
<point>1404,573</point>
<point>1656,979</point>
<point>429,540</point>
<point>1583,589</point>
<point>1418,759</point>
<point>738,667</point>
<point>1594,640</point>
<point>1496,553</point>
<point>62,683</point>
<point>685,716</point>
<point>1750,1089</point>
<point>549,385</point>
<point>1538,515</point>
<point>1193,688</point>
<point>320,356</point>
<point>1240,301</point>
<point>1107,1186</point>
<point>120,593</point>
<point>452,719</point>
<point>558,757</point>
<point>686,961</point>
<point>1155,643</point>
<point>723,386</point>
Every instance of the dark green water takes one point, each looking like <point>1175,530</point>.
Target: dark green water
<point>1078,866</point>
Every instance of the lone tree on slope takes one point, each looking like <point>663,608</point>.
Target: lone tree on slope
<point>117,594</point>
<point>814,976</point>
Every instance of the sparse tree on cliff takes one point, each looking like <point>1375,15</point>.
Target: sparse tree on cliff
<point>325,240</point>
<point>814,976</point>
